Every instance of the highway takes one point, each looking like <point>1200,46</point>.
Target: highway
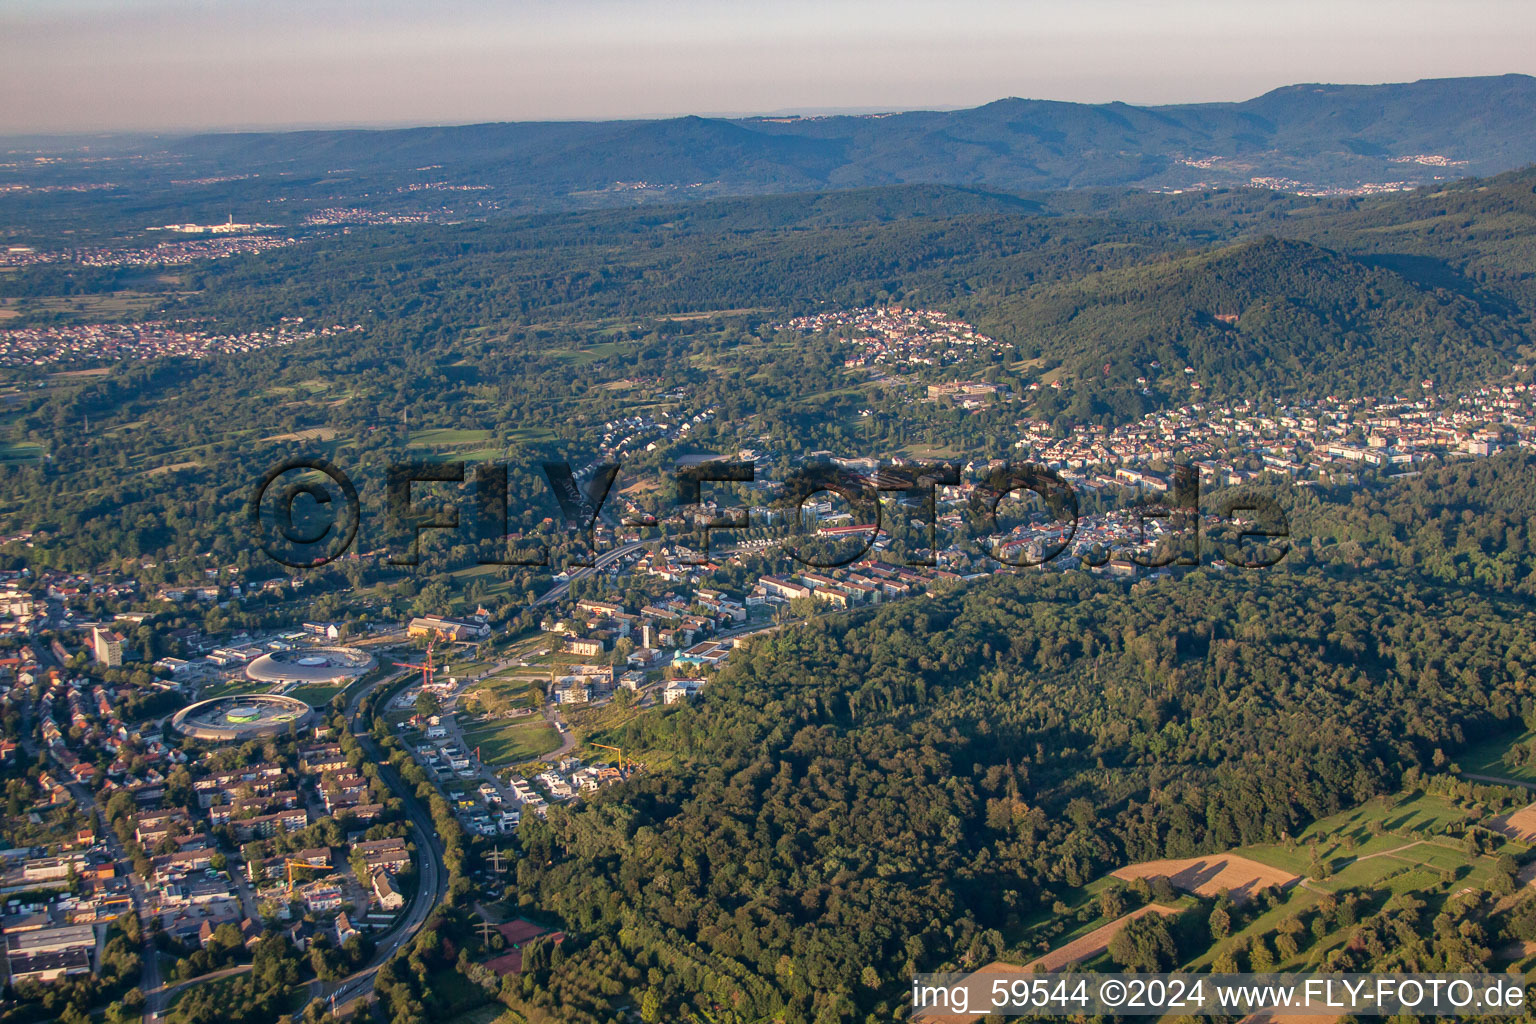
<point>602,561</point>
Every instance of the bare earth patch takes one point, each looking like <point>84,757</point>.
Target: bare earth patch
<point>1207,876</point>
<point>172,468</point>
<point>1092,944</point>
<point>1085,948</point>
<point>1519,825</point>
<point>312,434</point>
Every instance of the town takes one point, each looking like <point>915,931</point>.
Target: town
<point>41,346</point>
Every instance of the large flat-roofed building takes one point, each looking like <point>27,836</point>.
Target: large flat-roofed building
<point>452,629</point>
<point>46,954</point>
<point>48,966</point>
<point>52,869</point>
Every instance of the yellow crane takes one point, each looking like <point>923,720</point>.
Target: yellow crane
<point>288,864</point>
<point>617,750</point>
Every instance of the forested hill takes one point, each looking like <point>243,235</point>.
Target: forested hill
<point>1264,317</point>
<point>1314,135</point>
<point>898,790</point>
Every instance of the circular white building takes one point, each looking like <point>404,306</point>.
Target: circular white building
<point>251,716</point>
<point>310,665</point>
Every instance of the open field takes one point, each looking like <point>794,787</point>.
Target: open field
<point>1374,826</point>
<point>312,434</point>
<point>434,437</point>
<point>1207,876</point>
<point>513,689</point>
<point>1094,943</point>
<point>513,740</point>
<point>709,314</point>
<point>317,696</point>
<point>20,452</point>
<point>97,306</point>
<point>93,371</point>
<point>590,719</point>
<point>1487,758</point>
<point>1519,824</point>
<point>173,467</point>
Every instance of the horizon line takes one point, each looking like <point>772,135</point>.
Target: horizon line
<point>789,112</point>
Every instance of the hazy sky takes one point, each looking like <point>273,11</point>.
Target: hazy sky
<point>71,65</point>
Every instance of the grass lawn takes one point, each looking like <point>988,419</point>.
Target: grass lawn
<point>316,696</point>
<point>447,436</point>
<point>531,434</point>
<point>519,689</point>
<point>1404,820</point>
<point>237,685</point>
<point>20,451</point>
<point>513,740</point>
<point>1487,757</point>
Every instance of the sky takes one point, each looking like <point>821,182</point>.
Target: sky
<point>121,65</point>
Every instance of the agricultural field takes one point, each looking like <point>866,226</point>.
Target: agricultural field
<point>1520,825</point>
<point>447,437</point>
<point>88,307</point>
<point>1440,848</point>
<point>513,740</point>
<point>1209,876</point>
<point>1094,942</point>
<point>20,452</point>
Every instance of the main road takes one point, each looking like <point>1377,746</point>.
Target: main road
<point>431,888</point>
<point>432,878</point>
<point>602,561</point>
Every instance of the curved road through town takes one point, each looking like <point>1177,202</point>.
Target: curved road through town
<point>432,885</point>
<point>432,877</point>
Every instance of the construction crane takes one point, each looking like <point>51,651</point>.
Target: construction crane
<point>428,671</point>
<point>618,750</point>
<point>289,862</point>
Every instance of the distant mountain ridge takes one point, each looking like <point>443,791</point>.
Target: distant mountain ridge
<point>1300,137</point>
